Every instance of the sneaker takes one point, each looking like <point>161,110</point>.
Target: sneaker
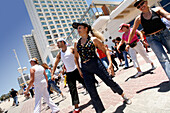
<point>57,111</point>
<point>127,100</point>
<point>76,111</point>
<point>138,74</point>
<point>86,92</point>
<point>153,67</point>
<point>120,64</point>
<point>126,68</point>
<point>63,97</point>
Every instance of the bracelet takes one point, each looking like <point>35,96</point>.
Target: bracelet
<point>127,43</point>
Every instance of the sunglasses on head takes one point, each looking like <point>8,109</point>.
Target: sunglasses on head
<point>140,5</point>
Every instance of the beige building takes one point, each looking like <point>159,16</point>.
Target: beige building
<point>52,19</point>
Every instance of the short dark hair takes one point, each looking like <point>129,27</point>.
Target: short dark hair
<point>118,39</point>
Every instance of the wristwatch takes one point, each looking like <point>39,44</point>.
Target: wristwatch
<point>127,43</point>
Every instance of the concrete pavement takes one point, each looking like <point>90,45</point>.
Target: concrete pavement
<point>149,93</point>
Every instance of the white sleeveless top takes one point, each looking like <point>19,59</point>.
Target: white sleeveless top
<point>68,58</point>
<point>39,77</point>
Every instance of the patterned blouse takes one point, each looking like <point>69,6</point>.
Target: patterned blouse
<point>87,51</point>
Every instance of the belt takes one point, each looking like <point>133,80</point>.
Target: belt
<point>155,34</point>
<point>86,61</point>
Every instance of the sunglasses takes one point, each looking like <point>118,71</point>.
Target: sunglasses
<point>140,5</point>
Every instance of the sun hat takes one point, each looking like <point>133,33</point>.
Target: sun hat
<point>123,25</point>
<point>75,25</point>
<point>137,2</point>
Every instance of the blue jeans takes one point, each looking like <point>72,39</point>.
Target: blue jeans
<point>95,66</point>
<point>52,84</point>
<point>156,43</point>
<point>125,57</point>
<point>15,100</point>
<point>105,62</point>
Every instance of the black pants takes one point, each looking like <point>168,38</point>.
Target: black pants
<point>71,80</point>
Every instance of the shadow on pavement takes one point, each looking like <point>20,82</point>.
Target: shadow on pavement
<point>163,87</point>
<point>84,106</point>
<point>144,73</point>
<point>120,108</point>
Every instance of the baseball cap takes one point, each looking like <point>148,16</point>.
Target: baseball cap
<point>32,60</point>
<point>62,39</point>
<point>122,25</point>
<point>137,2</point>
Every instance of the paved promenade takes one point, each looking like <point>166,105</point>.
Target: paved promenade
<point>150,93</point>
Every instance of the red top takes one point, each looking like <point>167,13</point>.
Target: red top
<point>101,54</point>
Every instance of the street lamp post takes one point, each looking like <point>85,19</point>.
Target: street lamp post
<point>20,69</point>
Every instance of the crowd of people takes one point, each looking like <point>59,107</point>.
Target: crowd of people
<point>90,57</point>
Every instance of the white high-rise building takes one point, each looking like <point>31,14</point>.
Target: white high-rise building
<point>31,47</point>
<point>52,19</point>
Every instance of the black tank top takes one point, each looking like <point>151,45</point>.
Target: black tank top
<point>153,24</point>
<point>87,51</point>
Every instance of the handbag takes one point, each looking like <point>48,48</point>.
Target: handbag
<point>133,44</point>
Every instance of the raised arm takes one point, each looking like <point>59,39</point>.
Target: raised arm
<point>76,59</point>
<point>162,12</point>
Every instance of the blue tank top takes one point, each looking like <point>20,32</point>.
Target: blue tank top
<point>87,51</point>
<point>47,71</point>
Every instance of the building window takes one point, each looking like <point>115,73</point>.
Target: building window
<point>50,22</point>
<point>57,22</point>
<point>47,32</point>
<point>42,19</point>
<point>40,14</point>
<point>60,30</point>
<point>50,5</point>
<point>38,10</point>
<point>52,10</point>
<point>52,27</point>
<point>58,26</point>
<point>48,60</point>
<point>55,18</point>
<point>45,28</point>
<point>45,10</point>
<point>47,14</point>
<point>54,31</point>
<point>44,5</point>
<point>54,14</point>
<point>42,1</point>
<point>55,2</point>
<point>35,1</point>
<point>56,36</point>
<point>62,35</point>
<point>37,5</point>
<point>48,18</point>
<point>50,42</point>
<point>43,23</point>
<point>48,1</point>
<point>54,53</point>
<point>49,37</point>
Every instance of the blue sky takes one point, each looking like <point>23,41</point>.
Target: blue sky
<point>15,23</point>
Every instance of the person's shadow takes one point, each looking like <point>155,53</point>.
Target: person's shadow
<point>120,108</point>
<point>163,87</point>
<point>144,73</point>
<point>84,106</point>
